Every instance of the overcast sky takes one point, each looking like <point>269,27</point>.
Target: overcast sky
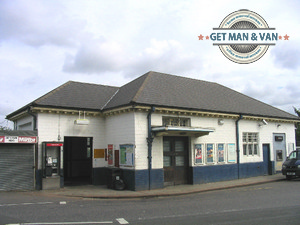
<point>44,44</point>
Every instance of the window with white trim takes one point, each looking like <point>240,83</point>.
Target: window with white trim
<point>176,121</point>
<point>250,144</point>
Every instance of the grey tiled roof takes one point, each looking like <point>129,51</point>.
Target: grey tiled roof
<point>160,89</point>
<point>18,133</point>
<point>157,89</point>
<point>78,95</point>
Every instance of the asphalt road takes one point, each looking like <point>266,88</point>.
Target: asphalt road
<point>272,203</point>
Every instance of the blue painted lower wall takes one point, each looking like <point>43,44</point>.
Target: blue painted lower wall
<point>135,180</point>
<point>138,180</point>
<point>208,174</point>
<point>215,173</point>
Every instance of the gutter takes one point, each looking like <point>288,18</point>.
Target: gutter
<point>238,143</point>
<point>149,141</point>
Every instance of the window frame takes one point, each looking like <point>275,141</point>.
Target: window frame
<point>176,121</point>
<point>199,146</point>
<point>218,151</point>
<point>251,144</point>
<point>207,147</point>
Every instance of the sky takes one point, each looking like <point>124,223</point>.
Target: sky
<point>44,44</point>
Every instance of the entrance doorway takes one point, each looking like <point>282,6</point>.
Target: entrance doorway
<point>78,160</point>
<point>267,164</point>
<point>175,160</point>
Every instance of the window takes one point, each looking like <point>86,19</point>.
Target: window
<point>209,153</point>
<point>250,144</point>
<point>198,153</point>
<point>176,121</point>
<point>220,153</point>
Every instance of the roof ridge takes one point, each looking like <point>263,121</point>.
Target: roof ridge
<point>52,92</point>
<point>134,99</point>
<point>110,99</point>
<point>103,85</point>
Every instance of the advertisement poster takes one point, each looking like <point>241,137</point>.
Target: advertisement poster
<point>110,159</point>
<point>127,155</point>
<point>231,153</point>
<point>198,153</point>
<point>210,153</point>
<point>220,153</point>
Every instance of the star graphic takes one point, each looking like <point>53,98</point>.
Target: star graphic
<point>207,37</point>
<point>280,37</point>
<point>201,37</point>
<point>286,37</point>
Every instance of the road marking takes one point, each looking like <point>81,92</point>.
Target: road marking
<point>122,221</point>
<point>26,203</point>
<point>62,223</point>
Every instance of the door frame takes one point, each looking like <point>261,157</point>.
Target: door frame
<point>68,161</point>
<point>173,172</point>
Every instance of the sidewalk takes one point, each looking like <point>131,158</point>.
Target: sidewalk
<point>94,191</point>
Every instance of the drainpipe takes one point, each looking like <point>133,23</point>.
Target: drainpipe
<point>34,118</point>
<point>149,141</point>
<point>238,143</point>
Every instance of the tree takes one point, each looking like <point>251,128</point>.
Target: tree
<point>297,111</point>
<point>4,127</point>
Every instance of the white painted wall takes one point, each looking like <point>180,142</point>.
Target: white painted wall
<point>120,129</point>
<point>226,134</point>
<point>51,126</point>
<point>131,128</point>
<point>141,134</point>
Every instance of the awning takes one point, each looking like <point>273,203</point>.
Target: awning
<point>181,131</point>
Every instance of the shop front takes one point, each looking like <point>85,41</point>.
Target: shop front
<point>17,160</point>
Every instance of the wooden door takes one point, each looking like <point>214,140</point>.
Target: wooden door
<point>175,160</point>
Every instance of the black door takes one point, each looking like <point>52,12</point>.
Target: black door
<point>175,160</point>
<point>77,160</point>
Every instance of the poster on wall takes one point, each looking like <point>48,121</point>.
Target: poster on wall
<point>127,155</point>
<point>198,153</point>
<point>210,153</point>
<point>110,153</point>
<point>231,153</point>
<point>220,153</point>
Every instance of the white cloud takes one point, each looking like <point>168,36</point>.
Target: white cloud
<point>287,57</point>
<point>38,23</point>
<point>46,43</point>
<point>95,56</point>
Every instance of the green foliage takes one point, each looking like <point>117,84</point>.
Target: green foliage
<point>4,128</point>
<point>297,111</point>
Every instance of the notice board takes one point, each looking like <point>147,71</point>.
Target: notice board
<point>127,155</point>
<point>99,153</point>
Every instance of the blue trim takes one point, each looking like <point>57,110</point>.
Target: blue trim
<point>215,173</point>
<point>251,169</point>
<point>138,180</point>
<point>100,176</point>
